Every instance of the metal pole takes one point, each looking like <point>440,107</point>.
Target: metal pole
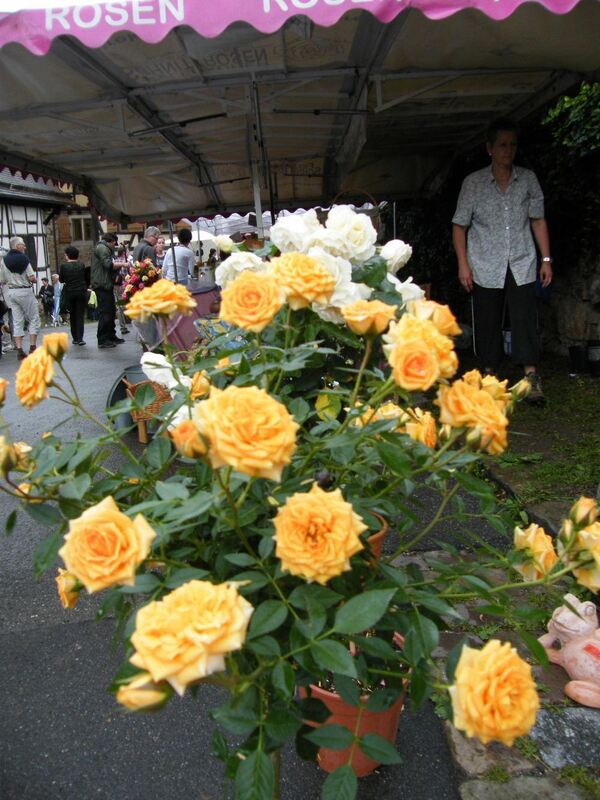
<point>257,202</point>
<point>394,220</point>
<point>173,250</point>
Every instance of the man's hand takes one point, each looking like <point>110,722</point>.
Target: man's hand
<point>465,276</point>
<point>546,273</point>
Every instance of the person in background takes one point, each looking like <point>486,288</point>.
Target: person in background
<point>119,279</point>
<point>103,270</point>
<point>212,258</point>
<point>159,251</point>
<point>500,207</point>
<point>184,259</point>
<point>145,249</point>
<point>17,273</point>
<point>57,287</point>
<point>46,297</point>
<point>72,275</point>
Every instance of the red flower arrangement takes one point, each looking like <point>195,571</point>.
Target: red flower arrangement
<point>143,273</point>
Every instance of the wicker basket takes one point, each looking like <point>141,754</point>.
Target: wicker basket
<point>149,412</point>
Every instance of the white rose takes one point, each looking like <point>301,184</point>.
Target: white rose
<point>356,230</point>
<point>345,294</point>
<point>338,267</point>
<point>224,243</point>
<point>156,368</point>
<point>331,241</point>
<point>408,290</point>
<point>396,253</point>
<point>183,414</point>
<point>238,262</point>
<point>292,233</point>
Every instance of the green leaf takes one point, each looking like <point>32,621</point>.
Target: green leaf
<point>333,656</point>
<point>305,594</point>
<point>299,408</point>
<point>363,611</point>
<point>11,520</point>
<point>180,576</point>
<point>267,617</point>
<point>379,749</point>
<point>158,452</point>
<point>453,658</point>
<point>145,583</point>
<point>44,513</point>
<point>265,646</point>
<point>341,784</point>
<point>334,737</point>
<point>473,485</point>
<point>254,779</point>
<point>282,723</point>
<point>239,715</point>
<point>283,679</point>
<point>395,457</point>
<point>348,689</point>
<point>373,646</point>
<point>171,490</point>
<point>383,698</point>
<point>328,405</point>
<point>535,648</point>
<point>427,632</point>
<point>76,488</point>
<point>256,581</point>
<point>240,559</point>
<point>46,552</point>
<point>84,450</point>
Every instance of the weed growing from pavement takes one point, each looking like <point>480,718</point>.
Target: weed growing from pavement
<point>584,778</point>
<point>527,748</point>
<point>497,774</point>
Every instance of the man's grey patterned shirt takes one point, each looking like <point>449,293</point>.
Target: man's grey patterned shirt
<point>499,232</point>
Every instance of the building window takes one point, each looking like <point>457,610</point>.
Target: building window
<point>81,229</point>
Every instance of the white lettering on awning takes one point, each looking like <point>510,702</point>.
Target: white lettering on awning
<point>120,12</point>
<point>281,3</point>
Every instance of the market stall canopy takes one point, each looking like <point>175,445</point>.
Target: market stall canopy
<point>178,108</point>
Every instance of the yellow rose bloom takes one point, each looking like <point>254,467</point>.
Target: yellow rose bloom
<point>584,512</point>
<point>420,426</point>
<point>187,440</point>
<point>494,695</point>
<point>163,298</point>
<point>22,449</point>
<point>8,456</point>
<point>68,588</point>
<point>541,556</point>
<point>33,377</point>
<point>490,384</point>
<point>368,317</point>
<point>3,387</point>
<point>463,405</point>
<point>587,548</point>
<point>141,694</point>
<point>304,280</point>
<point>251,301</point>
<point>441,316</point>
<point>200,384</point>
<point>248,430</point>
<point>104,547</point>
<point>56,344</point>
<point>317,533</point>
<point>185,636</point>
<point>385,411</point>
<point>418,354</point>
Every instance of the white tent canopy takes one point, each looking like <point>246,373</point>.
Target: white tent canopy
<point>192,126</point>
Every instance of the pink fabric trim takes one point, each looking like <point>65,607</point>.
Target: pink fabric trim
<point>152,20</point>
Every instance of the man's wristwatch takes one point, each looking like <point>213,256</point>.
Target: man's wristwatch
<point>547,259</point>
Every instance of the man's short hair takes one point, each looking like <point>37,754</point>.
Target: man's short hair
<point>108,237</point>
<point>71,252</point>
<point>14,241</point>
<point>151,231</point>
<point>501,124</point>
<point>45,279</point>
<point>184,235</point>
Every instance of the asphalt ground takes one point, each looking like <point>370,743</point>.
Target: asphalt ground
<point>62,735</point>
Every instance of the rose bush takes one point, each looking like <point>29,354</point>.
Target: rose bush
<point>235,548</point>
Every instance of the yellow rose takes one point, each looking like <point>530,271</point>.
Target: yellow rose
<point>141,694</point>
<point>3,387</point>
<point>33,377</point>
<point>386,411</point>
<point>441,316</point>
<point>185,636</point>
<point>68,588</point>
<point>494,695</point>
<point>187,440</point>
<point>317,533</point>
<point>163,298</point>
<point>368,317</point>
<point>418,354</point>
<point>251,301</point>
<point>25,489</point>
<point>104,547</point>
<point>541,556</point>
<point>8,456</point>
<point>586,549</point>
<point>304,280</point>
<point>200,384</point>
<point>490,384</point>
<point>56,344</point>
<point>248,430</point>
<point>463,405</point>
<point>22,449</point>
<point>584,512</point>
<point>421,426</point>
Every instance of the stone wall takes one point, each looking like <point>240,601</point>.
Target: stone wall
<point>572,315</point>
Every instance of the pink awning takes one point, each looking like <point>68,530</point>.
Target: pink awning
<point>151,20</point>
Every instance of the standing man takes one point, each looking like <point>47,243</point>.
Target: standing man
<point>501,206</point>
<point>145,249</point>
<point>102,274</point>
<point>17,273</point>
<point>184,259</point>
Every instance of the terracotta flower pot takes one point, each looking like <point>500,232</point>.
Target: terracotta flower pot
<point>385,723</point>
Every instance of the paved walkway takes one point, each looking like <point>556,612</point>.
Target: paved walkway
<point>62,735</point>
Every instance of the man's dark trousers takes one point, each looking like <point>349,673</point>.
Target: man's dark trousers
<point>107,311</point>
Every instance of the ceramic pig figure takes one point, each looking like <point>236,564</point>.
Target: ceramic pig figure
<point>579,654</point>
